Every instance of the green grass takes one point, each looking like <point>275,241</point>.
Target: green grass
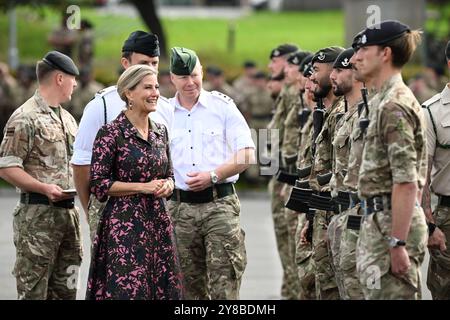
<point>255,36</point>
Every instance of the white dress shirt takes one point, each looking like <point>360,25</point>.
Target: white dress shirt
<point>206,136</point>
<point>94,118</point>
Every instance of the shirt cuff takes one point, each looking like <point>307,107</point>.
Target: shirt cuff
<point>81,158</point>
<point>11,161</point>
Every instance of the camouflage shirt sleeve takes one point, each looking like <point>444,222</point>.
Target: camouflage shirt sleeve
<point>397,127</point>
<point>17,142</point>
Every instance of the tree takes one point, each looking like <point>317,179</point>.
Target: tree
<point>147,11</point>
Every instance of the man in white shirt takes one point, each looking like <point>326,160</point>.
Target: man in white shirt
<point>140,48</point>
<point>211,144</point>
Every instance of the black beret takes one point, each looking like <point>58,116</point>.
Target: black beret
<point>61,62</point>
<point>297,57</point>
<point>305,62</point>
<point>343,59</point>
<point>182,61</point>
<point>259,75</point>
<point>142,42</point>
<point>447,51</point>
<point>283,49</point>
<point>380,33</point>
<point>308,70</point>
<point>249,64</point>
<point>214,71</point>
<point>327,55</point>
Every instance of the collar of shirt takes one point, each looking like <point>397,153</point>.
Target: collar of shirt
<point>41,103</point>
<point>129,130</point>
<point>202,101</point>
<point>445,95</point>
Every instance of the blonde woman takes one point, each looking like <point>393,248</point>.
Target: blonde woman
<point>134,254</point>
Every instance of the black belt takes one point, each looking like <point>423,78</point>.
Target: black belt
<point>354,222</point>
<point>342,200</point>
<point>444,201</point>
<point>286,177</point>
<point>204,196</point>
<point>37,198</point>
<point>376,203</point>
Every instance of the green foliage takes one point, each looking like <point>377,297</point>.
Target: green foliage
<point>255,36</point>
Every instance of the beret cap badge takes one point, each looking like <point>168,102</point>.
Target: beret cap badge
<point>363,39</point>
<point>321,56</point>
<point>345,63</point>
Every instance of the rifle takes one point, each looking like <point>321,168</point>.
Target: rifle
<point>323,179</point>
<point>364,122</point>
<point>318,118</point>
<point>303,172</point>
<point>310,218</point>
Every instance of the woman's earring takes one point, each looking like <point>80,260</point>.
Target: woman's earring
<point>130,105</point>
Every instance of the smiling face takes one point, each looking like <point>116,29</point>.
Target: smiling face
<point>189,86</point>
<point>144,96</point>
<point>321,77</point>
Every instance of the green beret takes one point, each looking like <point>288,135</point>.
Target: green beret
<point>327,55</point>
<point>182,61</point>
<point>61,62</point>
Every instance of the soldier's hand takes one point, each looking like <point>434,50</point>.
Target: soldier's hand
<point>152,186</point>
<point>303,239</point>
<point>437,240</point>
<point>399,261</point>
<point>54,193</point>
<point>165,190</point>
<point>199,181</point>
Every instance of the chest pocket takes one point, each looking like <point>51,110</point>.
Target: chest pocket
<point>51,134</point>
<point>50,142</point>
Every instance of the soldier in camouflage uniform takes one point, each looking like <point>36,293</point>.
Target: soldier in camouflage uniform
<point>393,235</point>
<point>257,110</point>
<point>438,178</point>
<point>204,206</point>
<point>84,93</point>
<point>322,61</point>
<point>289,149</point>
<point>277,64</point>
<point>34,156</point>
<point>303,248</point>
<point>344,84</point>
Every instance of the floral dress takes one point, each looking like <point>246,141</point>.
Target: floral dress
<point>134,254</point>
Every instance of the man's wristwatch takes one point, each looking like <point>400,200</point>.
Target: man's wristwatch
<point>214,177</point>
<point>394,242</point>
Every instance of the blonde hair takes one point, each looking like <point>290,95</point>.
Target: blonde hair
<point>131,77</point>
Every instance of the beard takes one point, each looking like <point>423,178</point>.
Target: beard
<point>322,91</point>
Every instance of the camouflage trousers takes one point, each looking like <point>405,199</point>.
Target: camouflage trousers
<point>439,268</point>
<point>351,288</point>
<point>373,261</point>
<point>95,209</point>
<point>335,228</point>
<point>282,230</point>
<point>211,247</point>
<point>305,264</point>
<point>326,288</point>
<point>48,252</point>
